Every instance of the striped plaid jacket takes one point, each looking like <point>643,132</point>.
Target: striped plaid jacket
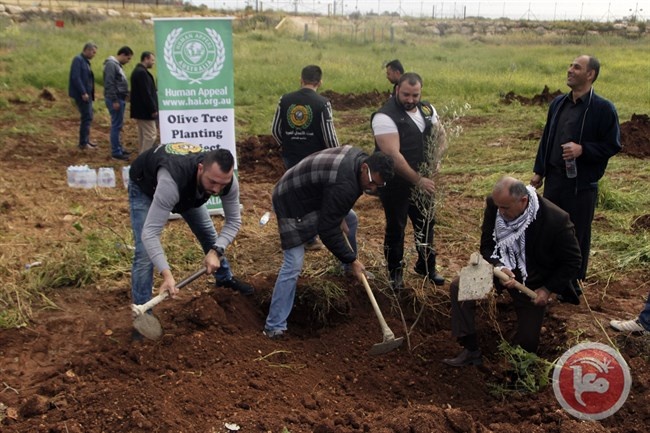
<point>313,198</point>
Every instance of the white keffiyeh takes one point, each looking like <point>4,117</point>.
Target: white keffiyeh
<point>510,239</point>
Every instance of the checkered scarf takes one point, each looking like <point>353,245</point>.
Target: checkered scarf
<point>510,239</point>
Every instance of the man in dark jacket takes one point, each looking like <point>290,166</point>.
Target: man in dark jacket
<point>581,128</point>
<point>313,198</point>
<point>81,88</point>
<point>116,91</point>
<point>180,178</point>
<point>303,122</point>
<point>533,242</point>
<point>144,101</point>
<point>302,125</point>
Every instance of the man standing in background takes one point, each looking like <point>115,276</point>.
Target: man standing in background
<point>581,129</point>
<point>303,124</point>
<point>81,88</point>
<point>394,70</point>
<point>144,101</point>
<point>116,90</point>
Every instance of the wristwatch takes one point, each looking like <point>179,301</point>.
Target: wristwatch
<point>219,250</point>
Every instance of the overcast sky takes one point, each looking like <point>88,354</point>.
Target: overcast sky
<point>514,9</point>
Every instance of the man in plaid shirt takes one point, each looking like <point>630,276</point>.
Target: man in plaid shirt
<point>313,198</point>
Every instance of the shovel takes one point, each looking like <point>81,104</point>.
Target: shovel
<point>477,277</point>
<point>390,342</point>
<point>147,324</point>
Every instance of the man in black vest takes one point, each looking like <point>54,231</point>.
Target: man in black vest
<point>180,178</point>
<point>402,128</point>
<point>303,125</point>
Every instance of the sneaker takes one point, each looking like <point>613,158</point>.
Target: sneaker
<point>464,358</point>
<point>433,276</point>
<point>237,285</point>
<point>314,245</point>
<point>86,146</point>
<point>628,325</point>
<point>91,145</point>
<point>121,157</point>
<point>277,334</point>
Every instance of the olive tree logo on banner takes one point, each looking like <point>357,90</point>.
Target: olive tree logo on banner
<point>194,56</point>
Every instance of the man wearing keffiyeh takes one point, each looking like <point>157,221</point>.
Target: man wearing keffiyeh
<point>533,242</point>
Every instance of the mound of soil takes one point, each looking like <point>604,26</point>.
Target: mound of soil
<point>352,101</point>
<point>635,136</point>
<point>543,98</point>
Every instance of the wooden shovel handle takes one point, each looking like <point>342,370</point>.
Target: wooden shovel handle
<point>523,289</point>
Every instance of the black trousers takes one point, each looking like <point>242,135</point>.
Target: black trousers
<point>580,205</point>
<point>529,318</point>
<point>396,199</point>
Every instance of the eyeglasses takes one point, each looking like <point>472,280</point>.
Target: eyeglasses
<point>377,184</point>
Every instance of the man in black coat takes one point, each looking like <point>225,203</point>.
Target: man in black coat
<point>533,242</point>
<point>144,101</point>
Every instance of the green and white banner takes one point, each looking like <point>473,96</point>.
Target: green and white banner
<point>195,83</point>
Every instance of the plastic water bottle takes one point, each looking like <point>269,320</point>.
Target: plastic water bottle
<point>106,177</point>
<point>571,168</point>
<point>87,177</point>
<point>125,176</point>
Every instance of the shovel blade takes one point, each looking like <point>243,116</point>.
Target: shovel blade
<point>476,280</point>
<point>386,346</point>
<point>148,326</point>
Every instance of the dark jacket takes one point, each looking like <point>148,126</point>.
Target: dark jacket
<point>599,136</point>
<point>82,79</point>
<point>303,125</point>
<point>144,99</point>
<point>552,252</point>
<point>412,142</point>
<point>183,169</point>
<point>313,197</point>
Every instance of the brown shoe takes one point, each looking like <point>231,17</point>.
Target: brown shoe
<point>464,358</point>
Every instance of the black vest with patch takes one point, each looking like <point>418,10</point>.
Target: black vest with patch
<point>412,143</point>
<point>183,169</point>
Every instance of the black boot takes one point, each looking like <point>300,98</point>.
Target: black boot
<point>430,272</point>
<point>464,358</point>
<point>396,279</point>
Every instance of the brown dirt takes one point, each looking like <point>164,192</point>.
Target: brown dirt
<point>353,101</point>
<point>635,136</point>
<point>543,98</point>
<point>74,368</point>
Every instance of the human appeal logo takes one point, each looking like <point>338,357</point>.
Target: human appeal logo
<point>591,381</point>
<point>194,56</point>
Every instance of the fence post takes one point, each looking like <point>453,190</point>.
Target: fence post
<point>392,34</point>
<point>306,35</point>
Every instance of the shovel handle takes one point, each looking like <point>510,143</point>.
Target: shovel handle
<point>388,334</point>
<point>141,309</point>
<point>523,289</point>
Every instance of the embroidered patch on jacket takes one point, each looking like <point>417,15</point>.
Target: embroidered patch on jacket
<point>182,148</point>
<point>299,116</point>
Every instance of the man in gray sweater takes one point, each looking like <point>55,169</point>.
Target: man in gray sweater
<point>116,91</point>
<point>180,178</point>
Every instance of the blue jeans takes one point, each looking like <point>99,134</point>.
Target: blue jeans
<point>86,112</point>
<point>284,291</point>
<point>199,222</point>
<point>117,122</point>
<point>644,317</point>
